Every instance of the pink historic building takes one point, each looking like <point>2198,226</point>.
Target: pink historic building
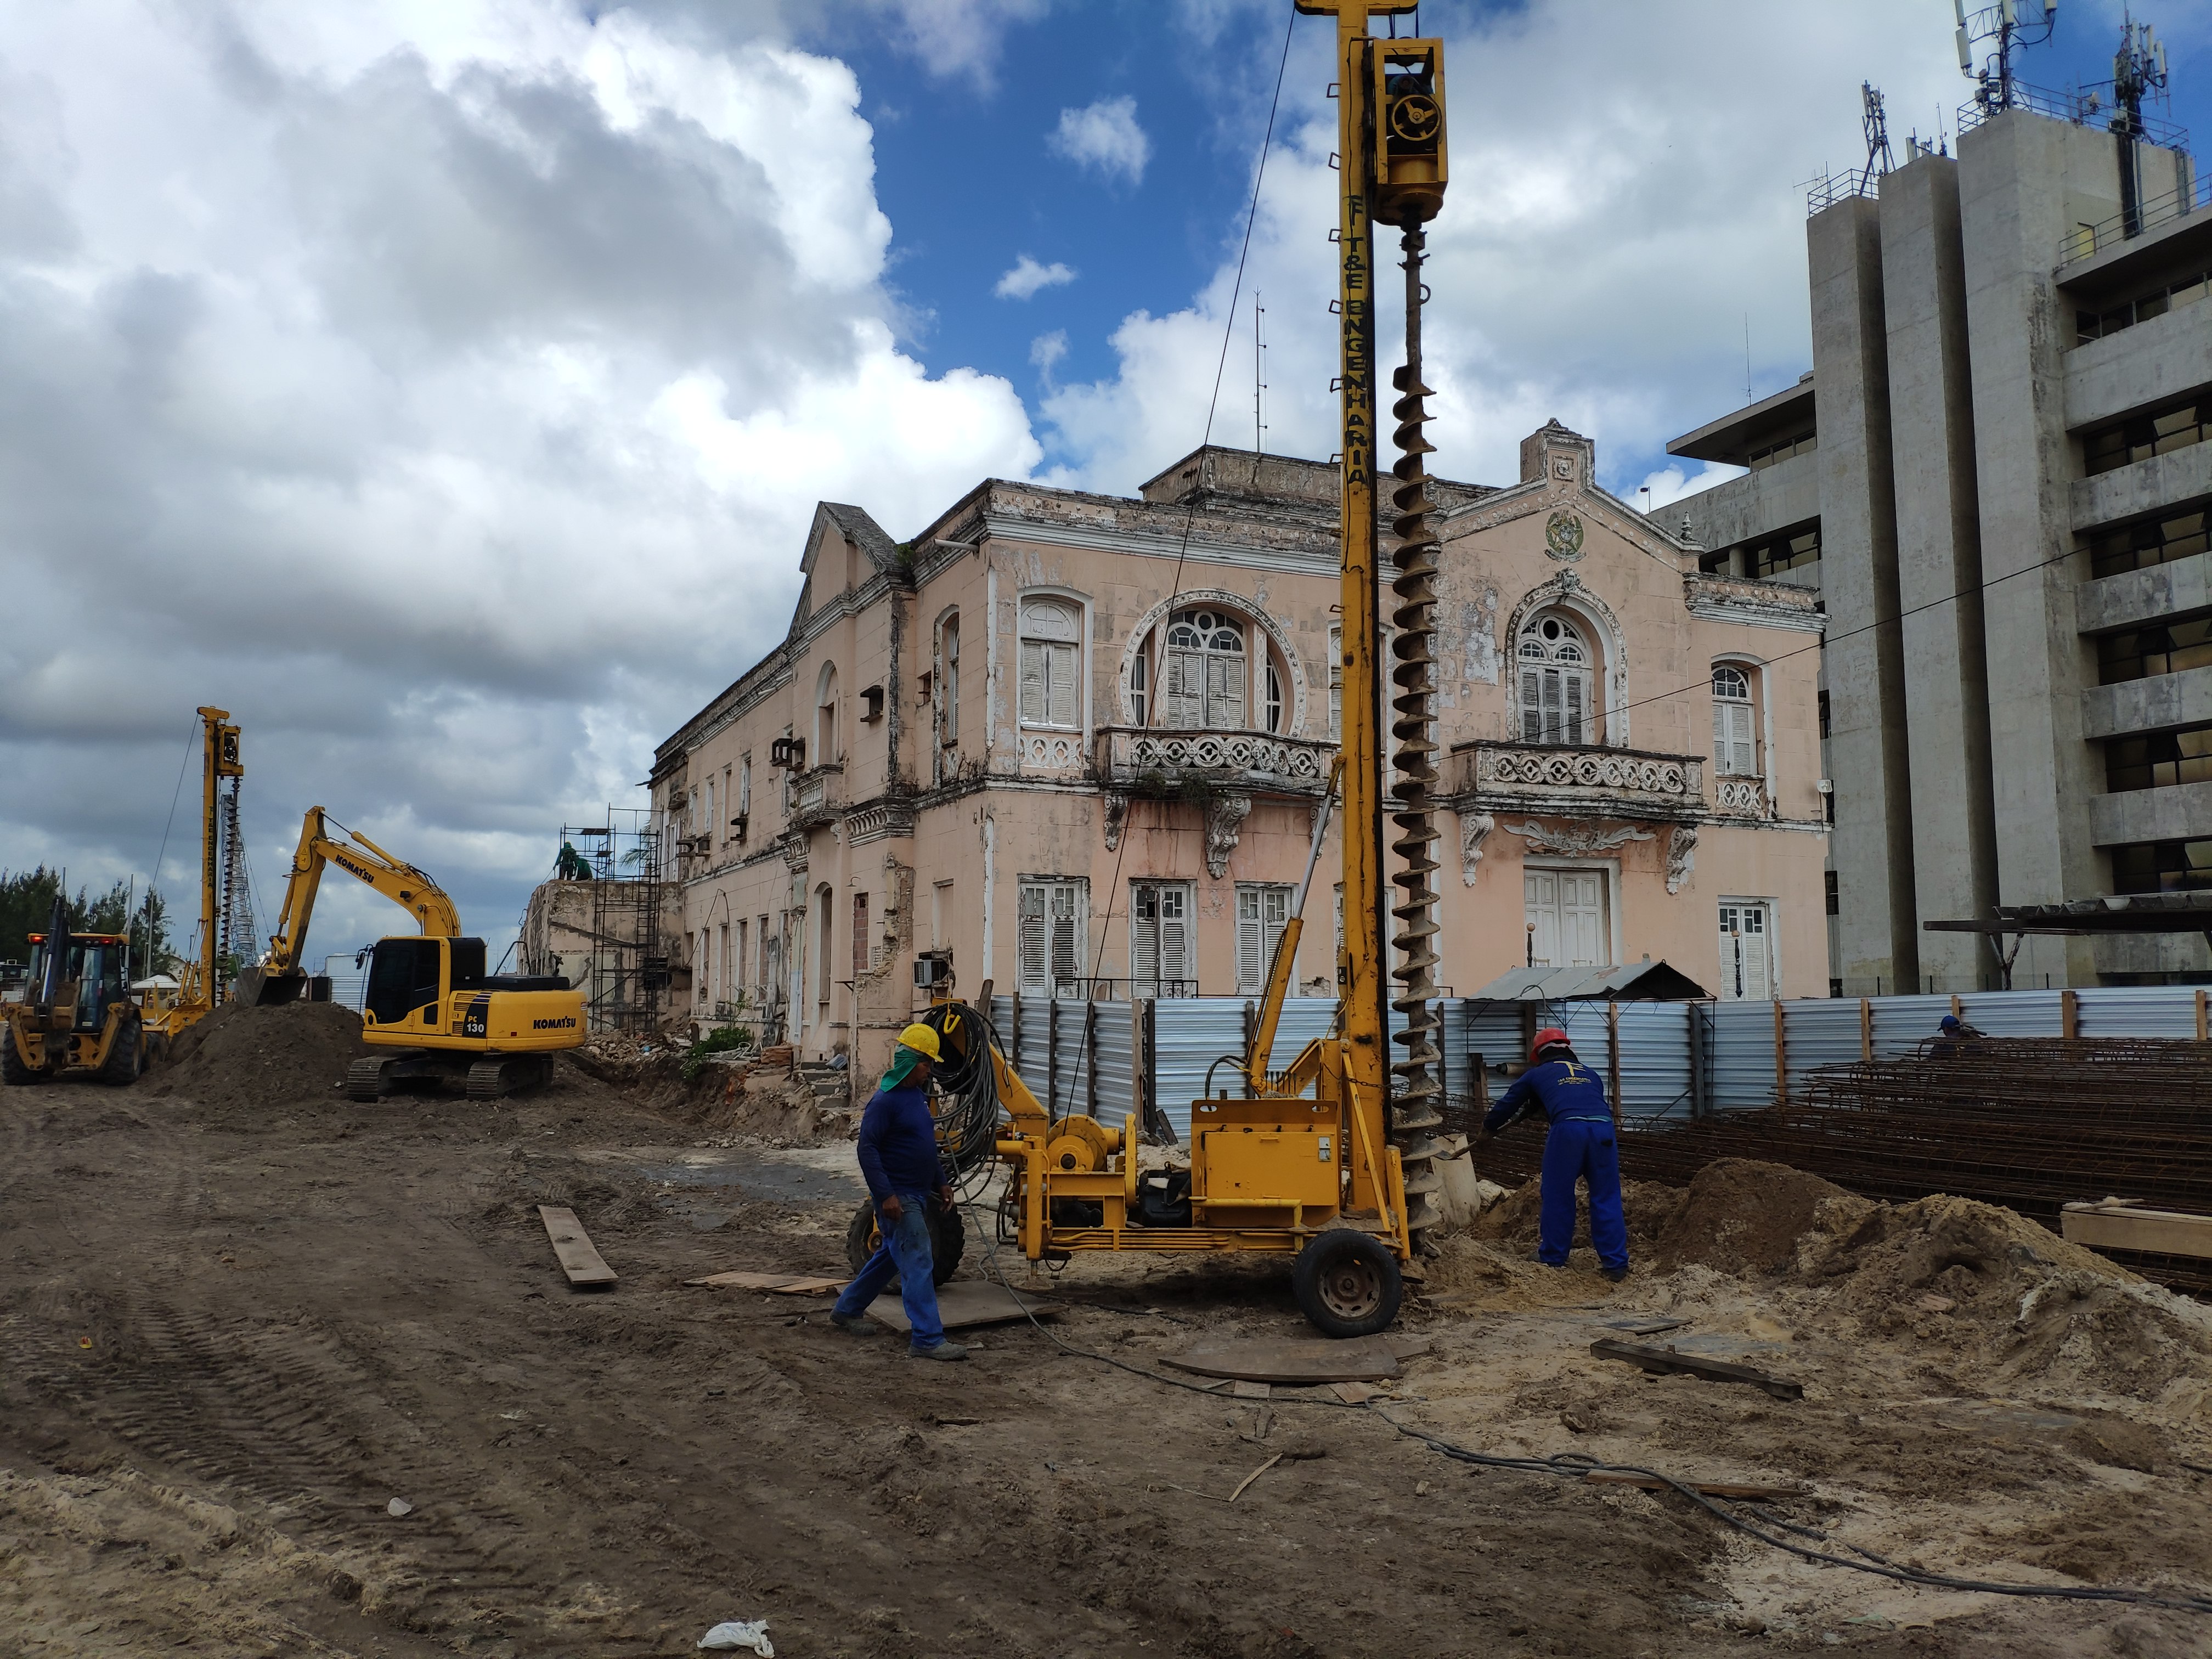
<point>1074,743</point>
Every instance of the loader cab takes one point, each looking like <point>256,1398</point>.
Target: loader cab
<point>92,976</point>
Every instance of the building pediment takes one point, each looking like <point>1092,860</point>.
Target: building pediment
<point>1559,484</point>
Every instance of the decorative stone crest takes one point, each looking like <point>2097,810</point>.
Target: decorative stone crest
<point>1563,535</point>
<point>1117,814</point>
<point>1474,829</point>
<point>1574,841</point>
<point>1225,822</point>
<point>1681,856</point>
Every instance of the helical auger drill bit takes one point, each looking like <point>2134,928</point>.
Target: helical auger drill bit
<point>1414,1117</point>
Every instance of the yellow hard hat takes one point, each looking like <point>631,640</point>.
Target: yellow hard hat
<point>922,1040</point>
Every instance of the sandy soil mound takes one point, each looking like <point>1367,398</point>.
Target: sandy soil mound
<point>1514,1219</point>
<point>1742,1216</point>
<point>737,1098</point>
<point>252,1059</point>
<point>1989,1285</point>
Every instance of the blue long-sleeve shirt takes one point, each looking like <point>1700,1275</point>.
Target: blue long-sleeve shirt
<point>1559,1090</point>
<point>898,1144</point>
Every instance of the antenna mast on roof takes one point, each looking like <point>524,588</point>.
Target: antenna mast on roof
<point>2008,23</point>
<point>1259,373</point>
<point>1878,161</point>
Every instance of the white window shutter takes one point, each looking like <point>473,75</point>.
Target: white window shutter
<point>1224,693</point>
<point>1721,736</point>
<point>1060,684</point>
<point>1032,942</point>
<point>1066,932</point>
<point>1532,706</point>
<point>1745,764</point>
<point>1032,689</point>
<point>1186,690</point>
<point>1251,967</point>
<point>1175,940</point>
<point>1576,689</point>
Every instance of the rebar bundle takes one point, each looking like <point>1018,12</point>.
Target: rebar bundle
<point>1414,1118</point>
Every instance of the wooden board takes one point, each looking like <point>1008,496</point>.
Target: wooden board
<point>785,1283</point>
<point>1713,1371</point>
<point>586,1269</point>
<point>1367,1359</point>
<point>966,1302</point>
<point>2113,1226</point>
<point>1643,1326</point>
<point>1751,1489</point>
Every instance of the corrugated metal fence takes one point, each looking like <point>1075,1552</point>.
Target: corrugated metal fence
<point>1669,1060</point>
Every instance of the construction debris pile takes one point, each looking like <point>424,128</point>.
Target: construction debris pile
<point>2025,1122</point>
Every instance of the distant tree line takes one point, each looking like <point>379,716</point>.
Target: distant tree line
<point>27,905</point>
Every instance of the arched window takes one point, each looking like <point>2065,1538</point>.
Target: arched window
<point>1052,659</point>
<point>1554,663</point>
<point>947,682</point>
<point>828,742</point>
<point>1735,745</point>
<point>1205,671</point>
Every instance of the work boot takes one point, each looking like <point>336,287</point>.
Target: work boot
<point>942,1351</point>
<point>854,1324</point>
<point>1616,1275</point>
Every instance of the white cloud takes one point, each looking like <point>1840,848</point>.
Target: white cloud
<point>1600,272</point>
<point>1046,351</point>
<point>445,390</point>
<point>1670,484</point>
<point>1028,276</point>
<point>1104,135</point>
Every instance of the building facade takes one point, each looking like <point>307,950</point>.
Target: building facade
<point>1995,478</point>
<point>1075,744</point>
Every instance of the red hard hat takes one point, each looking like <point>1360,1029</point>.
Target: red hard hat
<point>1549,1037</point>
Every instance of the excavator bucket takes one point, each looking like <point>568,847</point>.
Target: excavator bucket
<point>261,987</point>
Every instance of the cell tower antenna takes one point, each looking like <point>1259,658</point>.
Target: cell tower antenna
<point>1879,160</point>
<point>2138,70</point>
<point>2003,26</point>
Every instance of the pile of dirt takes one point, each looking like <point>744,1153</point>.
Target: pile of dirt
<point>1515,1219</point>
<point>255,1058</point>
<point>1741,1216</point>
<point>1988,1287</point>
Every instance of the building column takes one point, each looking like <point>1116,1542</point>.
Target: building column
<point>1871,846</point>
<point>1939,566</point>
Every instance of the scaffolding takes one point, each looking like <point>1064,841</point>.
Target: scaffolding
<point>598,921</point>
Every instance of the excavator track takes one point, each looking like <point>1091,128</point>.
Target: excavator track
<point>364,1079</point>
<point>1418,1089</point>
<point>497,1075</point>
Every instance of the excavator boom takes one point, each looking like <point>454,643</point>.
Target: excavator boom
<point>279,977</point>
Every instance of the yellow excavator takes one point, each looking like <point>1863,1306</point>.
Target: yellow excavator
<point>1332,1160</point>
<point>430,1002</point>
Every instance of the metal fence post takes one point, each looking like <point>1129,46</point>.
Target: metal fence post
<point>1781,1054</point>
<point>1866,1031</point>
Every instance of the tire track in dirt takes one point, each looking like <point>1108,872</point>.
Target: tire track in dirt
<point>281,1416</point>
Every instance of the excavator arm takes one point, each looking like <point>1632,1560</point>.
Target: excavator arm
<point>278,978</point>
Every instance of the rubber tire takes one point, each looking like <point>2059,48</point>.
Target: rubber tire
<point>12,1069</point>
<point>1342,1250</point>
<point>948,1241</point>
<point>126,1055</point>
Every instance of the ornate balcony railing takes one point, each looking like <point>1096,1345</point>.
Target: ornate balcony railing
<point>1628,783</point>
<point>1138,759</point>
<point>1742,798</point>
<point>817,795</point>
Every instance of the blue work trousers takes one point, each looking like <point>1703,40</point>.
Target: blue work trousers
<point>905,1251</point>
<point>1581,1148</point>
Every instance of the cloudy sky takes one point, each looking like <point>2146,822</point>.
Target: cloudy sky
<point>443,386</point>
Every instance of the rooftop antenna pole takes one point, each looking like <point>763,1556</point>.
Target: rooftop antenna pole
<point>2007,23</point>
<point>2138,67</point>
<point>1746,358</point>
<point>1259,373</point>
<point>1876,124</point>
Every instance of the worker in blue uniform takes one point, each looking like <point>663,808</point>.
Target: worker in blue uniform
<point>898,1160</point>
<point>1578,1145</point>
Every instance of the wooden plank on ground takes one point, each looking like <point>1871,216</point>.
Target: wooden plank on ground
<point>1713,1371</point>
<point>586,1269</point>
<point>2117,1226</point>
<point>1753,1491</point>
<point>1364,1359</point>
<point>788,1284</point>
<point>1643,1327</point>
<point>964,1303</point>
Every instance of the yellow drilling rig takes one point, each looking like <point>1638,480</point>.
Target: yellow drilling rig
<point>1332,1159</point>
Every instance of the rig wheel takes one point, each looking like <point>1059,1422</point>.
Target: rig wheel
<point>12,1068</point>
<point>126,1055</point>
<point>948,1241</point>
<point>1347,1283</point>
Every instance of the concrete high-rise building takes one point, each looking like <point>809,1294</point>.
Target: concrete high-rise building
<point>1996,478</point>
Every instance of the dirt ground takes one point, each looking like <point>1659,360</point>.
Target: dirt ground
<point>242,1316</point>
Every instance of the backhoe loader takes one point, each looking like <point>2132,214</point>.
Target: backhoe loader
<point>430,1003</point>
<point>77,1014</point>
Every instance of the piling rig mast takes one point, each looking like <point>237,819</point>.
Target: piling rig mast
<point>1332,1159</point>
